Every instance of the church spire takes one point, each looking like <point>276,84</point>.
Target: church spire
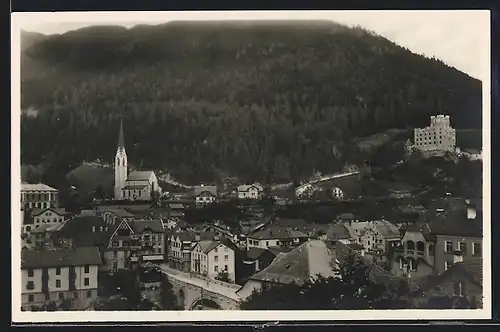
<point>121,140</point>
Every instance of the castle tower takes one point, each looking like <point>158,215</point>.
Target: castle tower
<point>120,165</point>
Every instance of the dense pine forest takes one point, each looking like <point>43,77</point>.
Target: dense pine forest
<point>260,101</point>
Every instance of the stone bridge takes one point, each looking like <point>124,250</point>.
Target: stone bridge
<point>198,293</point>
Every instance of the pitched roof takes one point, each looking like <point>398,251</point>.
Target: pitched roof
<point>473,268</point>
<point>388,230</point>
<point>121,139</point>
<point>255,253</point>
<point>59,211</point>
<point>139,175</point>
<point>82,225</point>
<point>118,212</point>
<point>200,189</point>
<point>340,231</point>
<point>207,245</point>
<point>155,225</point>
<point>49,227</point>
<point>36,187</point>
<point>32,259</point>
<point>456,223</point>
<point>305,262</point>
<point>246,187</point>
<point>278,232</point>
<point>191,236</point>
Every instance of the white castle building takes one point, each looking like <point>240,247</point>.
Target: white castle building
<point>136,185</point>
<point>438,136</point>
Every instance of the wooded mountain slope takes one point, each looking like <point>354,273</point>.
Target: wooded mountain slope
<point>260,100</point>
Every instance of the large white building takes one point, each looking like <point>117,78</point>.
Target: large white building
<point>209,258</point>
<point>438,136</point>
<point>138,185</point>
<point>38,196</point>
<point>59,275</point>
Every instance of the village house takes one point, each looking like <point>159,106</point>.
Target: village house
<point>49,216</point>
<point>211,258</point>
<point>204,194</point>
<point>273,236</point>
<point>341,232</point>
<point>38,196</point>
<point>376,236</point>
<point>179,248</point>
<point>42,235</point>
<point>58,276</point>
<point>176,211</point>
<point>114,216</point>
<point>462,280</point>
<point>250,191</point>
<point>134,242</point>
<point>439,241</point>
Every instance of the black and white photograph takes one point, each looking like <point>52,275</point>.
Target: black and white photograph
<point>273,165</point>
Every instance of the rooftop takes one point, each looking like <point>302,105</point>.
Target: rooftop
<point>139,175</point>
<point>300,265</point>
<point>155,225</point>
<point>36,187</point>
<point>246,187</point>
<point>278,232</point>
<point>33,259</point>
<point>200,189</point>
<point>59,211</point>
<point>456,223</point>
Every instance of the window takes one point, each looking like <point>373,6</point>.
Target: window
<point>115,254</point>
<point>458,288</point>
<point>216,259</point>
<point>215,249</point>
<point>462,246</point>
<point>31,298</point>
<point>115,265</point>
<point>448,246</point>
<point>225,249</point>
<point>476,249</point>
<point>87,269</point>
<point>30,285</point>
<point>58,283</point>
<point>267,243</point>
<point>216,268</point>
<point>420,246</point>
<point>58,271</point>
<point>75,295</point>
<point>431,250</point>
<point>226,257</point>
<point>225,267</point>
<point>447,265</point>
<point>86,281</point>
<point>89,293</point>
<point>61,296</point>
<point>30,273</point>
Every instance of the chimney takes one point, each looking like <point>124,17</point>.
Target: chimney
<point>471,211</point>
<point>457,256</point>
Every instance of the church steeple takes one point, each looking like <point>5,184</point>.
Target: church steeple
<point>121,140</point>
<point>120,165</point>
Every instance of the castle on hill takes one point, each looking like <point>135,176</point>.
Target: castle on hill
<point>136,185</point>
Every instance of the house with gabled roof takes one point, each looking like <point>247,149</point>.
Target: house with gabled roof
<point>59,275</point>
<point>49,216</point>
<point>250,191</point>
<point>211,257</point>
<point>133,242</point>
<point>204,194</point>
<point>179,247</point>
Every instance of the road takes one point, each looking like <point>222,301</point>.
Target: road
<point>214,286</point>
<point>299,190</point>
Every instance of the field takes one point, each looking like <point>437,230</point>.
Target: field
<point>86,178</point>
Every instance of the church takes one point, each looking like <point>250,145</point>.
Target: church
<point>136,185</point>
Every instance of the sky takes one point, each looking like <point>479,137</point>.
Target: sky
<point>458,38</point>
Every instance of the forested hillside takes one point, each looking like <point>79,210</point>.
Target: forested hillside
<point>261,101</point>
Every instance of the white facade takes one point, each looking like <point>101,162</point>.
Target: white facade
<point>38,196</point>
<point>204,198</point>
<point>252,191</point>
<point>48,216</point>
<point>438,136</point>
<point>337,193</point>
<point>213,261</point>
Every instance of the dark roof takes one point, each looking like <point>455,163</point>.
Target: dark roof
<point>82,225</point>
<point>137,186</point>
<point>201,189</point>
<point>121,139</point>
<point>37,212</point>
<point>191,236</point>
<point>307,261</point>
<point>472,268</point>
<point>255,253</point>
<point>32,259</point>
<point>340,231</point>
<point>388,230</point>
<point>355,246</point>
<point>118,212</point>
<point>277,233</point>
<point>155,225</point>
<point>139,175</point>
<point>456,223</point>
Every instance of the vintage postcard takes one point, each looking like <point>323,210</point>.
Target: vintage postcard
<point>250,166</point>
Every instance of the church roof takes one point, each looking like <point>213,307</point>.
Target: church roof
<point>121,139</point>
<point>139,175</point>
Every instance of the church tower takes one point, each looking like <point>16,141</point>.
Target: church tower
<point>120,165</point>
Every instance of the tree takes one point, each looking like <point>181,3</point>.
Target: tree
<point>350,289</point>
<point>168,299</point>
